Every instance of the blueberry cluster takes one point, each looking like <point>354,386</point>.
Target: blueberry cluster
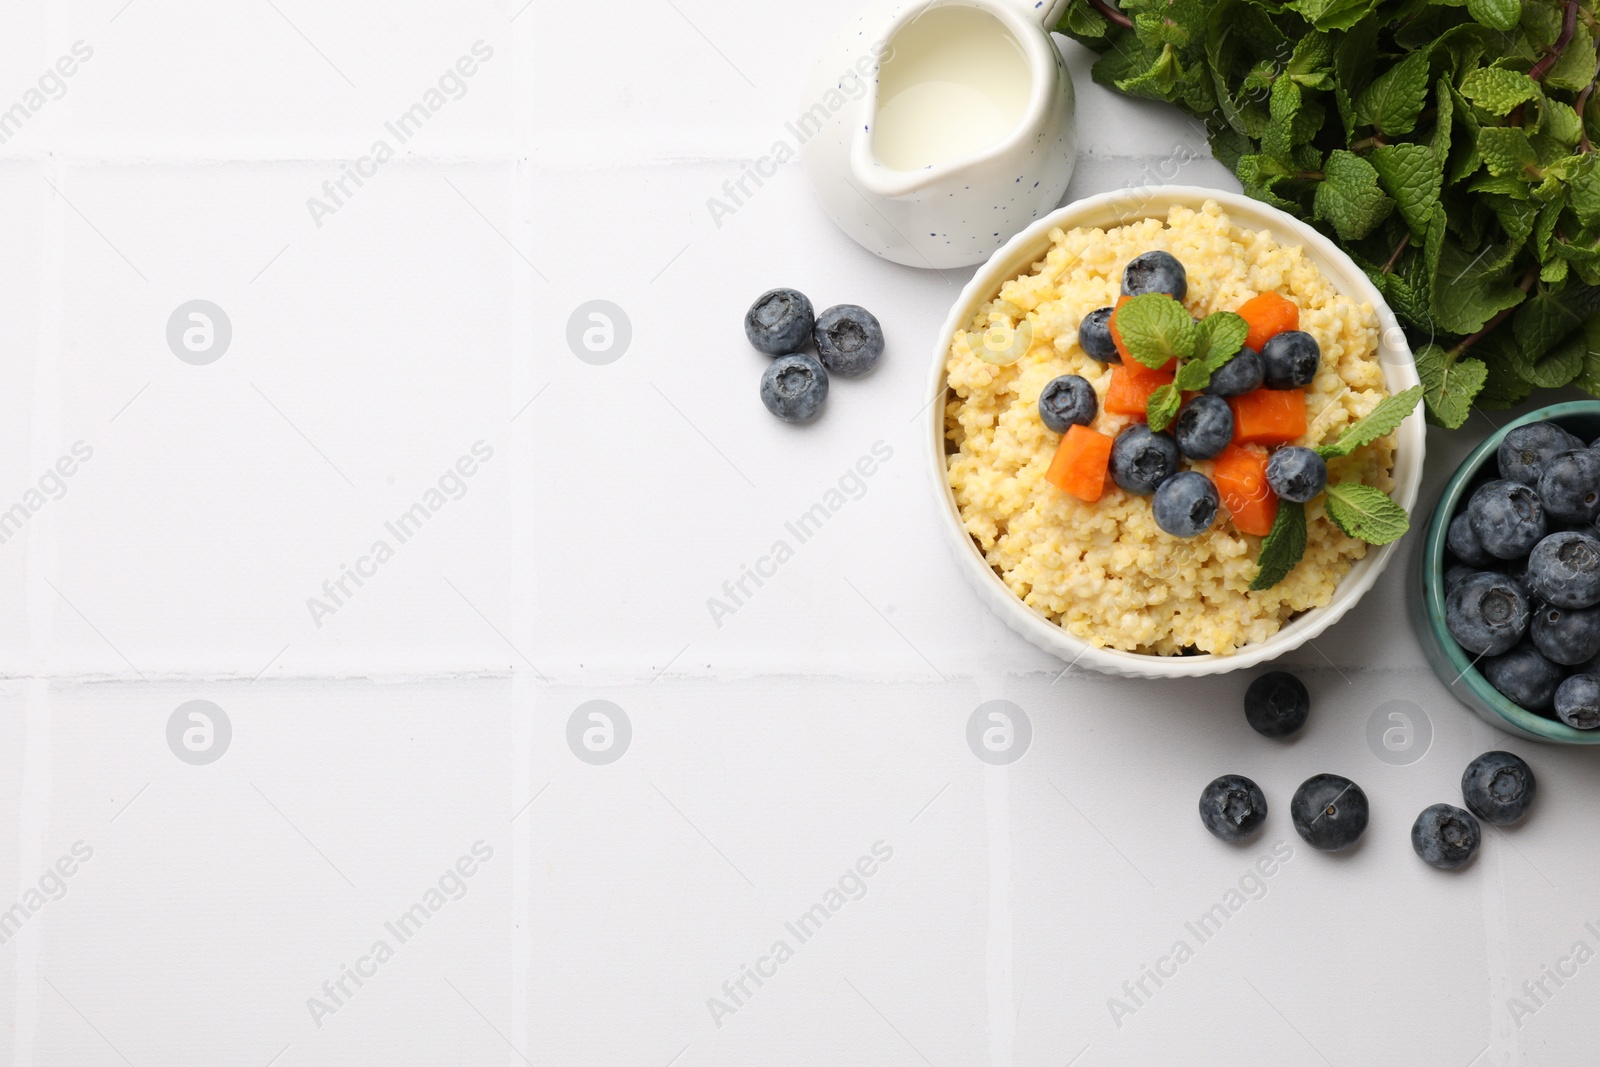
<point>1146,462</point>
<point>848,339</point>
<point>1523,594</point>
<point>1330,812</point>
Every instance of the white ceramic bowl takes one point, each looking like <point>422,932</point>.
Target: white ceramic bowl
<point>1113,209</point>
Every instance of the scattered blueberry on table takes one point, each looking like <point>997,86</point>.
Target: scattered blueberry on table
<point>795,387</point>
<point>1277,704</point>
<point>849,340</point>
<point>1498,787</point>
<point>779,322</point>
<point>1329,812</point>
<point>1445,836</point>
<point>1233,808</point>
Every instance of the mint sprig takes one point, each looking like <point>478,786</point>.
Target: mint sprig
<point>1380,421</point>
<point>1366,513</point>
<point>1162,407</point>
<point>1156,329</point>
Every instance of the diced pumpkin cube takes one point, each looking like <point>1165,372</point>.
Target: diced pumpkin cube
<point>1268,315</point>
<point>1131,386</point>
<point>1240,474</point>
<point>1080,463</point>
<point>1269,417</point>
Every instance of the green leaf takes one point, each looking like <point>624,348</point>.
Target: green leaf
<point>1080,19</point>
<point>1162,407</point>
<point>1277,140</point>
<point>1379,422</point>
<point>1553,368</point>
<point>1498,90</point>
<point>1576,66</point>
<point>1548,316</point>
<point>1506,151</point>
<point>1449,384</point>
<point>1561,123</point>
<point>1349,198</point>
<point>1156,329</point>
<point>1441,129</point>
<point>1282,547</point>
<point>1470,289</point>
<point>1311,64</point>
<point>1496,14</point>
<point>1583,193</point>
<point>1352,69</point>
<point>1219,337</point>
<point>1413,175</point>
<point>1588,378</point>
<point>1193,376</point>
<point>1504,386</point>
<point>1365,512</point>
<point>1393,101</point>
<point>1332,14</point>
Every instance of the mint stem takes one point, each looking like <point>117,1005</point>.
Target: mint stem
<point>1569,24</point>
<point>1111,13</point>
<point>1394,257</point>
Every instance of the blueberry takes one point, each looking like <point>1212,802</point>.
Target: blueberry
<point>1094,336</point>
<point>1204,427</point>
<point>1524,676</point>
<point>1242,374</point>
<point>1569,487</point>
<point>1578,702</point>
<point>1564,569</point>
<point>1464,544</point>
<point>1068,401</point>
<point>1445,836</point>
<point>1142,460</point>
<point>1233,807</point>
<point>1296,474</point>
<point>1291,359</point>
<point>1498,787</point>
<point>779,321</point>
<point>1330,812</point>
<point>849,340</point>
<point>1566,635</point>
<point>1185,504</point>
<point>1486,613</point>
<point>1276,704</point>
<point>1155,272</point>
<point>794,387</point>
<point>1507,517</point>
<point>1525,450</point>
<point>1454,573</point>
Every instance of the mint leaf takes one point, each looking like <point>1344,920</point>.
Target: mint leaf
<point>1443,102</point>
<point>1219,337</point>
<point>1393,101</point>
<point>1470,289</point>
<point>1554,368</point>
<point>1282,547</point>
<point>1162,407</point>
<point>1583,193</point>
<point>1277,140</point>
<point>1156,329</point>
<point>1498,90</point>
<point>1380,421</point>
<point>1413,175</point>
<point>1449,384</point>
<point>1561,123</point>
<point>1193,376</point>
<point>1366,513</point>
<point>1576,66</point>
<point>1550,315</point>
<point>1588,378</point>
<point>1349,197</point>
<point>1507,152</point>
<point>1496,14</point>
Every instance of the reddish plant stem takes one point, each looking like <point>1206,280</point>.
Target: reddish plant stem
<point>1394,257</point>
<point>1109,11</point>
<point>1569,24</point>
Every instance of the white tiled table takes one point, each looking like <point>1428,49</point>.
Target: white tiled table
<point>376,741</point>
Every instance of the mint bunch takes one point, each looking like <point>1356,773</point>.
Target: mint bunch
<point>1448,148</point>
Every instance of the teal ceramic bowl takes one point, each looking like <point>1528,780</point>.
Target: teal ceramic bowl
<point>1449,661</point>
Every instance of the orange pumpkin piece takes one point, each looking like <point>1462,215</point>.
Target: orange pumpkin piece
<point>1080,464</point>
<point>1268,315</point>
<point>1131,385</point>
<point>1269,417</point>
<point>1240,474</point>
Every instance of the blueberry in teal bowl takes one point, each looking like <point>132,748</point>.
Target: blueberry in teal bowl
<point>1520,608</point>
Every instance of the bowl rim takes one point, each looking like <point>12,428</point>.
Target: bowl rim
<point>1119,207</point>
<point>1434,549</point>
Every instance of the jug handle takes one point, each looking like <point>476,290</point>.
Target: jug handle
<point>1048,12</point>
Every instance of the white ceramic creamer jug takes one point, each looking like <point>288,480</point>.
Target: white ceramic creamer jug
<point>938,129</point>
